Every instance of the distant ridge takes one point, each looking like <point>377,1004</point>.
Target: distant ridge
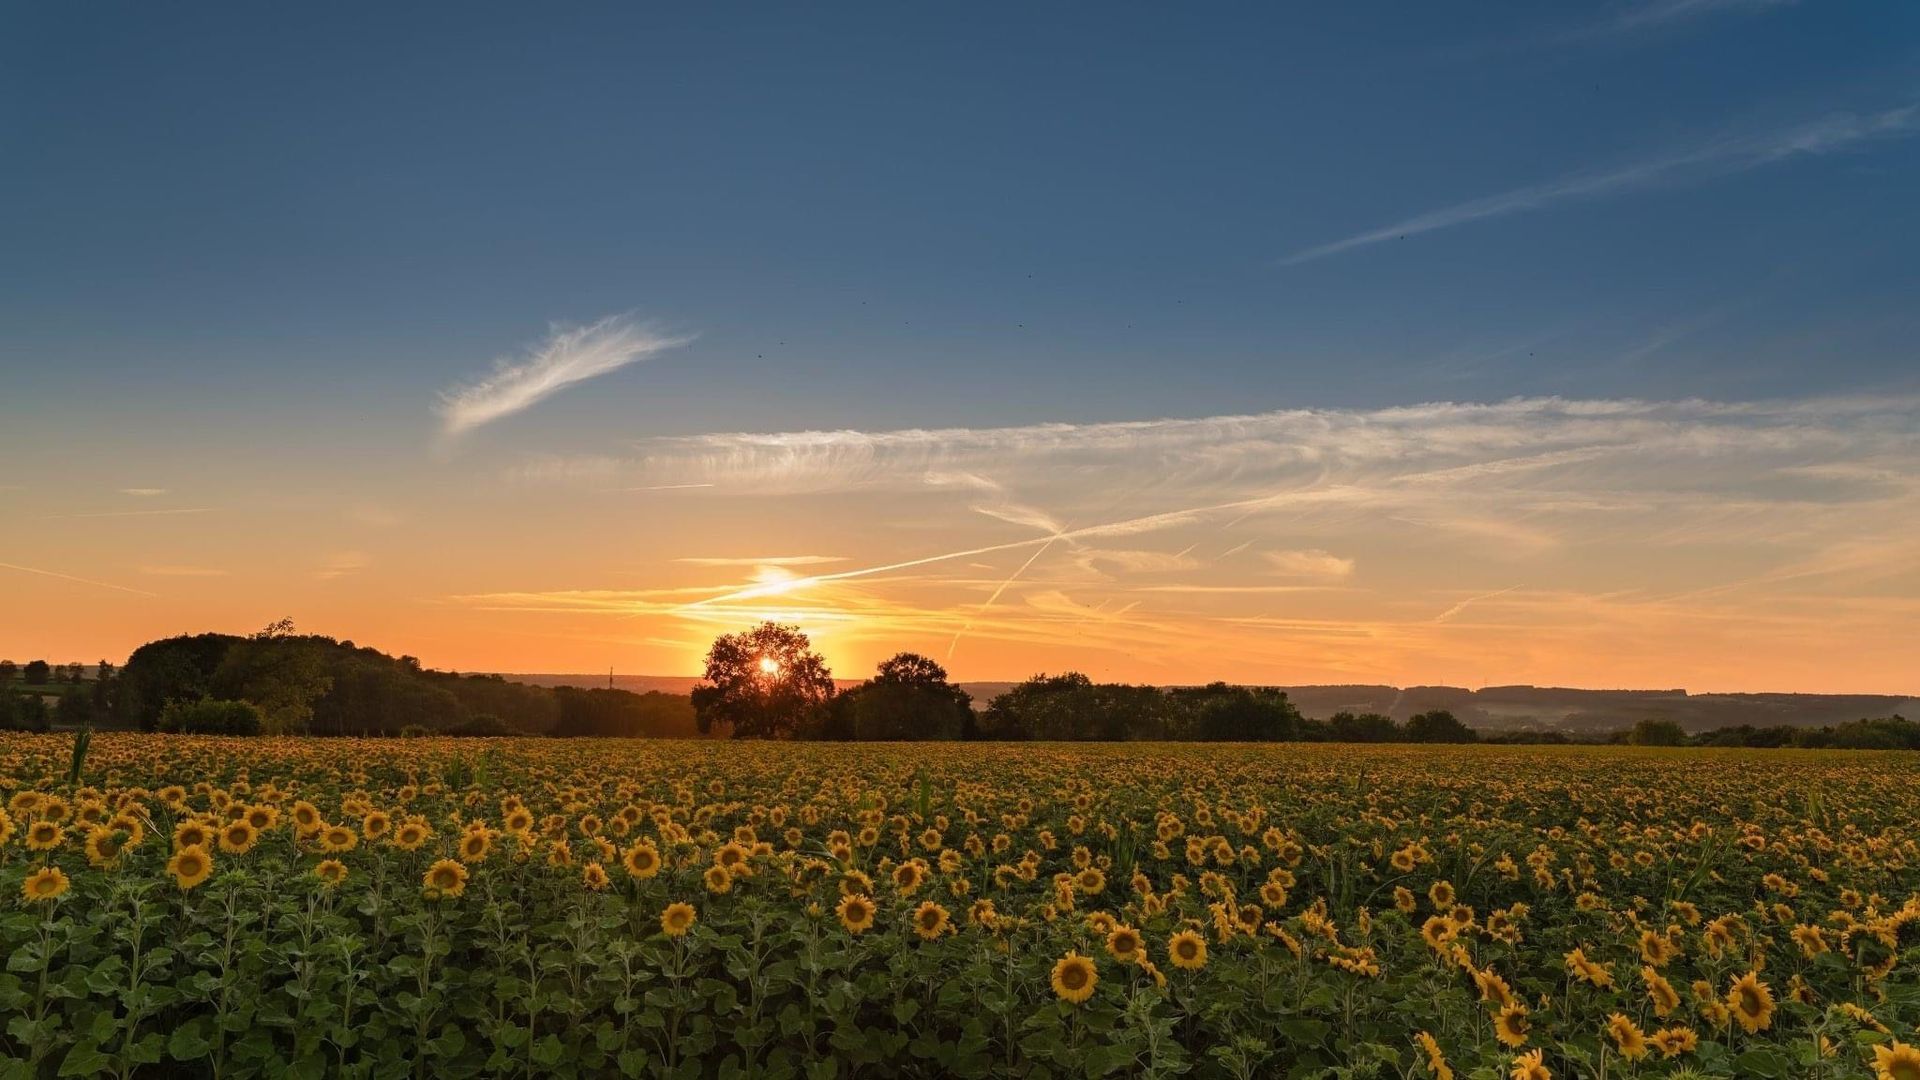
<point>1492,708</point>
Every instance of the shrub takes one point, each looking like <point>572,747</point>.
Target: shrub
<point>211,716</point>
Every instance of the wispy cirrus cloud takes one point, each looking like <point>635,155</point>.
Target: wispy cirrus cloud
<point>1313,563</point>
<point>1231,544</point>
<point>1719,157</point>
<point>341,564</point>
<point>76,579</point>
<point>165,570</point>
<point>568,356</point>
<point>1665,12</point>
<point>143,492</point>
<point>768,560</point>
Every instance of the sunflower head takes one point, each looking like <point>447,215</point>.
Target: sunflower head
<point>1074,978</point>
<point>677,919</point>
<point>44,885</point>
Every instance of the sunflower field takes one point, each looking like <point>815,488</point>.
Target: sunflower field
<point>433,907</point>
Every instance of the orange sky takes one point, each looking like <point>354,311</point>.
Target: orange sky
<point>1600,544</point>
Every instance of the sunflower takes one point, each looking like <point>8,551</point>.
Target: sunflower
<point>1493,989</point>
<point>593,876</point>
<point>1441,894</point>
<point>190,866</point>
<point>331,872</point>
<point>677,919</point>
<point>338,838</point>
<point>1661,992</point>
<point>1125,944</point>
<point>376,824</point>
<point>444,879</point>
<point>1627,1036</point>
<point>1531,1066</point>
<point>718,880</point>
<point>1896,1062</point>
<point>1187,950</point>
<point>411,835</point>
<point>642,859</point>
<point>44,836</point>
<point>44,885</point>
<point>1074,978</point>
<point>1436,1061</point>
<point>1751,1003</point>
<point>930,920</point>
<point>856,913</point>
<point>1674,1041</point>
<point>104,845</point>
<point>908,876</point>
<point>306,816</point>
<point>476,845</point>
<point>1587,970</point>
<point>1510,1025</point>
<point>191,833</point>
<point>236,837</point>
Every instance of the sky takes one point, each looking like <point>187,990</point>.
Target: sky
<point>1385,343</point>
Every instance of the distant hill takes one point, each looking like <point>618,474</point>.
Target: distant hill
<point>1493,708</point>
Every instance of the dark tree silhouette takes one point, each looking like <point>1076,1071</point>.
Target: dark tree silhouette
<point>908,697</point>
<point>764,683</point>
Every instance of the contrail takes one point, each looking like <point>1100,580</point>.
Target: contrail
<point>1462,605</point>
<point>1121,528</point>
<point>1719,158</point>
<point>70,577</point>
<point>1031,559</point>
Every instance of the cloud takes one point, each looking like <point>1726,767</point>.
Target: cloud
<point>143,493</point>
<point>1314,563</point>
<point>70,577</point>
<point>1660,542</point>
<point>136,513</point>
<point>1663,12</point>
<point>767,560</point>
<point>567,356</point>
<point>182,571</point>
<point>342,564</point>
<point>1720,157</point>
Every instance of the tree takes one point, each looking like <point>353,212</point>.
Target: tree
<point>1223,713</point>
<point>37,673</point>
<point>1364,728</point>
<point>282,674</point>
<point>766,682</point>
<point>1438,726</point>
<point>908,697</point>
<point>1652,732</point>
<point>75,708</point>
<point>9,671</point>
<point>209,716</point>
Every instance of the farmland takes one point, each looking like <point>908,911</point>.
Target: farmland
<point>433,906</point>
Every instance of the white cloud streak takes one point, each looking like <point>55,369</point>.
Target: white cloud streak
<point>70,577</point>
<point>1720,157</point>
<point>568,356</point>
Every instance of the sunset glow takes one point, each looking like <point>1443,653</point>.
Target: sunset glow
<point>1363,361</point>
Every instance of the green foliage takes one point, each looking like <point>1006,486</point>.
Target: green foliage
<point>211,716</point>
<point>908,698</point>
<point>766,682</point>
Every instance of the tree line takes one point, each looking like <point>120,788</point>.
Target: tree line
<point>278,681</point>
<point>768,682</point>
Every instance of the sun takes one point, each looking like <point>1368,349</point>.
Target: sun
<point>769,666</point>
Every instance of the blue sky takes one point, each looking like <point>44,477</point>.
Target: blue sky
<point>883,214</point>
<point>256,246</point>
